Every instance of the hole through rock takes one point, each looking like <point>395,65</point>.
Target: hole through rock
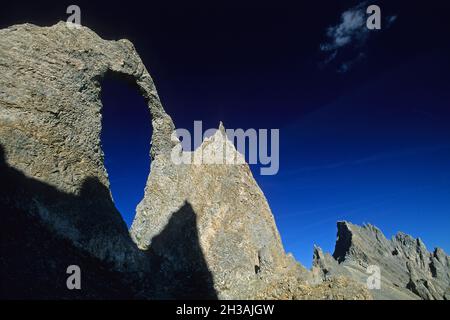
<point>125,139</point>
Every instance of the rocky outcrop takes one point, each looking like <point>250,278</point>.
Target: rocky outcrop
<point>203,230</point>
<point>52,175</point>
<point>192,228</point>
<point>50,124</point>
<point>50,136</point>
<point>237,233</point>
<point>336,288</point>
<point>407,269</point>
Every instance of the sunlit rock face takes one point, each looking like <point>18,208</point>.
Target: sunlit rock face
<point>237,232</point>
<point>50,124</point>
<point>50,134</point>
<point>202,230</point>
<point>407,269</point>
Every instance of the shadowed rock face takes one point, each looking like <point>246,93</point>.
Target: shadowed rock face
<point>34,258</point>
<point>237,232</point>
<point>180,260</point>
<point>201,231</point>
<point>55,203</point>
<point>408,269</point>
<point>50,125</point>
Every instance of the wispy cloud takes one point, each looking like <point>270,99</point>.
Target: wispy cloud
<point>351,34</point>
<point>351,29</point>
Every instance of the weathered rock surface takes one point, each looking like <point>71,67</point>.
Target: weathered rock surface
<point>202,230</point>
<point>50,124</point>
<point>237,232</point>
<point>336,288</point>
<point>408,270</point>
<point>54,181</point>
<point>52,175</point>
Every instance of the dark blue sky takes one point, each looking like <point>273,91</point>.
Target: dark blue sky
<point>371,144</point>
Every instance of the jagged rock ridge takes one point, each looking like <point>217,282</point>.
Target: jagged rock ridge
<point>408,269</point>
<point>237,232</point>
<point>198,243</point>
<point>201,231</point>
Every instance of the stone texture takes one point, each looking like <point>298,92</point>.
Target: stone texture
<point>237,232</point>
<point>202,230</point>
<point>50,124</point>
<point>53,177</point>
<point>408,269</point>
<point>338,288</point>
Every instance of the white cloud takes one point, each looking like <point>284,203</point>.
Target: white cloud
<point>351,33</point>
<point>351,29</point>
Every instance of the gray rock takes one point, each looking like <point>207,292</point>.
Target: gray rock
<point>50,124</point>
<point>408,269</point>
<point>236,229</point>
<point>201,230</point>
<point>56,206</point>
